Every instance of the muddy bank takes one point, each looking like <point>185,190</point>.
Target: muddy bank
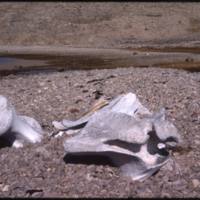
<point>39,170</point>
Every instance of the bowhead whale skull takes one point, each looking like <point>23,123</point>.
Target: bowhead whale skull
<point>135,139</point>
<point>16,128</point>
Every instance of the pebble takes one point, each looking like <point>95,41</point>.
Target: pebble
<point>77,85</point>
<point>59,134</point>
<point>89,177</point>
<point>85,90</point>
<point>48,169</point>
<point>43,151</point>
<point>197,142</point>
<point>195,183</point>
<point>74,110</point>
<point>165,195</point>
<point>5,188</point>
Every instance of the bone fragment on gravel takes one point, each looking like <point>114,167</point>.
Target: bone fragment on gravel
<point>135,139</point>
<point>66,125</point>
<point>17,128</point>
<point>129,104</point>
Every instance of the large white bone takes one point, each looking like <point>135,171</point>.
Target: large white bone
<point>21,128</point>
<point>135,139</point>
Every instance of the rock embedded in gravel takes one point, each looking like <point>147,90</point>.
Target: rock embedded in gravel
<point>195,183</point>
<point>5,188</point>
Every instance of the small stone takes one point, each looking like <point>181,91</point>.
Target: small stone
<point>80,99</point>
<point>165,195</point>
<point>43,151</point>
<point>77,85</point>
<point>195,183</point>
<point>5,188</point>
<point>39,91</point>
<point>17,144</point>
<point>48,169</point>
<point>74,110</point>
<point>197,142</point>
<point>161,145</point>
<point>98,94</point>
<point>188,60</point>
<point>60,133</point>
<point>85,90</point>
<point>89,177</point>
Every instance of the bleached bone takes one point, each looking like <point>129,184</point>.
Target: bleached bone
<point>20,128</point>
<point>128,104</point>
<point>135,139</point>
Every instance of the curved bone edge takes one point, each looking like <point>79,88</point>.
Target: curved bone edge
<point>58,125</point>
<point>17,143</point>
<point>165,129</point>
<point>6,115</point>
<point>82,145</point>
<point>135,168</point>
<point>24,131</point>
<point>32,122</point>
<point>128,104</point>
<point>111,125</point>
<point>97,106</point>
<point>141,175</point>
<point>6,119</point>
<point>67,124</point>
<point>150,171</point>
<point>75,124</point>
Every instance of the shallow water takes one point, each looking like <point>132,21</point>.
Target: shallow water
<point>9,60</point>
<point>31,63</point>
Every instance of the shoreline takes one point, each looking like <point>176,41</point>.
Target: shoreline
<point>60,58</point>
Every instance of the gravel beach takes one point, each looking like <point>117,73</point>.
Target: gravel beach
<point>148,36</point>
<point>39,170</point>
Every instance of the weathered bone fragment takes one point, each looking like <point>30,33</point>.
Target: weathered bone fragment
<point>16,129</point>
<point>135,139</point>
<point>128,104</point>
<point>65,125</point>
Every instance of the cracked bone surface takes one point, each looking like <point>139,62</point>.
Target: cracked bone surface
<point>16,129</point>
<point>128,133</point>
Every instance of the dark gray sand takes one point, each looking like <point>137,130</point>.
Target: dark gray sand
<point>39,170</point>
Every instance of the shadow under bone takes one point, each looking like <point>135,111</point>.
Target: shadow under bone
<point>7,139</point>
<point>99,158</point>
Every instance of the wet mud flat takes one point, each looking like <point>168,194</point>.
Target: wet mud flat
<point>40,170</point>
